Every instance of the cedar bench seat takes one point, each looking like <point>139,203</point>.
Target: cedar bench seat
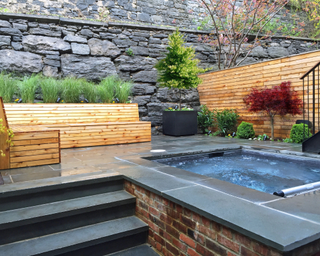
<point>82,125</point>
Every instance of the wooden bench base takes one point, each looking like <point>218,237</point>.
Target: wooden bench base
<point>34,147</point>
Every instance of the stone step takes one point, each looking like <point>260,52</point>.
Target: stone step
<point>57,189</point>
<point>141,250</point>
<point>102,238</point>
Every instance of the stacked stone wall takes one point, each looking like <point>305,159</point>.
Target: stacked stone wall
<point>62,47</point>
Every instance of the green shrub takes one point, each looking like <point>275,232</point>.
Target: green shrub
<point>8,87</point>
<point>225,120</point>
<point>122,91</point>
<point>105,89</point>
<point>50,88</point>
<point>28,87</point>
<point>296,133</point>
<point>71,89</point>
<point>205,118</point>
<point>287,140</point>
<point>261,137</point>
<point>245,131</point>
<point>88,90</point>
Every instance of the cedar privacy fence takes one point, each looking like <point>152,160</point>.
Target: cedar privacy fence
<point>227,88</point>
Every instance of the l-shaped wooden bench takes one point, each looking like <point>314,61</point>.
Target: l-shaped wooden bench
<point>76,125</point>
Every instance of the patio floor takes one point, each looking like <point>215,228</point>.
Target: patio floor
<point>102,159</point>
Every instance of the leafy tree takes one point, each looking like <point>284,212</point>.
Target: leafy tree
<point>205,118</point>
<point>233,21</point>
<point>279,100</point>
<point>179,68</point>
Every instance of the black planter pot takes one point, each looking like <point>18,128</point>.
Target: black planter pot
<point>180,123</point>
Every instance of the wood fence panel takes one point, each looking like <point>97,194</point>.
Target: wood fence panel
<point>4,146</point>
<point>227,88</point>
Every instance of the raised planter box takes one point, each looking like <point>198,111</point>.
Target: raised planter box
<point>179,123</point>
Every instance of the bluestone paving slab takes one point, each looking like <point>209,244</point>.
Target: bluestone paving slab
<point>238,191</point>
<point>49,211</point>
<point>76,238</point>
<point>305,205</point>
<point>153,180</point>
<point>142,250</point>
<point>274,228</point>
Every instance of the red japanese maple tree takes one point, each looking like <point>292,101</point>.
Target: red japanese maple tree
<point>279,100</point>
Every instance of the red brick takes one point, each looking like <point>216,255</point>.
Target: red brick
<point>207,231</point>
<point>205,221</point>
<point>216,247</point>
<point>161,207</point>
<point>227,232</point>
<point>158,238</point>
<point>172,213</point>
<point>193,253</point>
<point>153,226</point>
<point>142,205</point>
<point>165,201</point>
<point>172,205</point>
<point>199,238</point>
<point>229,243</point>
<point>172,249</point>
<point>179,208</point>
<point>260,248</point>
<point>243,240</point>
<point>179,245</point>
<point>166,236</point>
<point>172,231</point>
<point>188,222</point>
<point>203,251</point>
<point>215,226</point>
<point>165,218</point>
<point>151,242</point>
<point>158,247</point>
<point>187,212</point>
<point>151,233</point>
<point>178,225</point>
<point>188,240</point>
<point>130,190</point>
<point>196,217</point>
<point>231,254</point>
<point>247,252</point>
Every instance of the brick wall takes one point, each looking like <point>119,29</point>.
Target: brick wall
<point>175,230</point>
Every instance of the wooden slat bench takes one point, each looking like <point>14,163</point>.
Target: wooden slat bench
<point>33,145</point>
<point>83,125</point>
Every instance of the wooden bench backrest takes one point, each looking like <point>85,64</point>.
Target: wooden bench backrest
<point>4,160</point>
<point>46,114</point>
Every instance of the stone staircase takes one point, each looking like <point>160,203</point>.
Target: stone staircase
<point>78,216</point>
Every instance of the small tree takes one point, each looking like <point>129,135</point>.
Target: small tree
<point>179,68</point>
<point>233,22</point>
<point>279,100</point>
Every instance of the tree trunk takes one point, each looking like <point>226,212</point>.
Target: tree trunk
<point>180,99</point>
<point>272,127</point>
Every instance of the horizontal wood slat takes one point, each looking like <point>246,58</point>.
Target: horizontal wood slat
<point>227,88</point>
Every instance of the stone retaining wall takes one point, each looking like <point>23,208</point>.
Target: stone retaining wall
<point>60,47</point>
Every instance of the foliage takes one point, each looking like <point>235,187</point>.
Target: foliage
<point>10,133</point>
<point>287,140</point>
<point>50,88</point>
<point>312,9</point>
<point>205,118</point>
<point>297,134</point>
<point>245,131</point>
<point>278,100</point>
<point>71,89</point>
<point>233,21</point>
<point>179,68</point>
<point>105,89</point>
<point>122,90</point>
<point>28,87</point>
<point>89,92</point>
<point>261,137</point>
<point>129,52</point>
<point>8,87</point>
<point>225,120</point>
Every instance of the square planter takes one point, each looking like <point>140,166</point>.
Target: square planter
<point>179,123</point>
